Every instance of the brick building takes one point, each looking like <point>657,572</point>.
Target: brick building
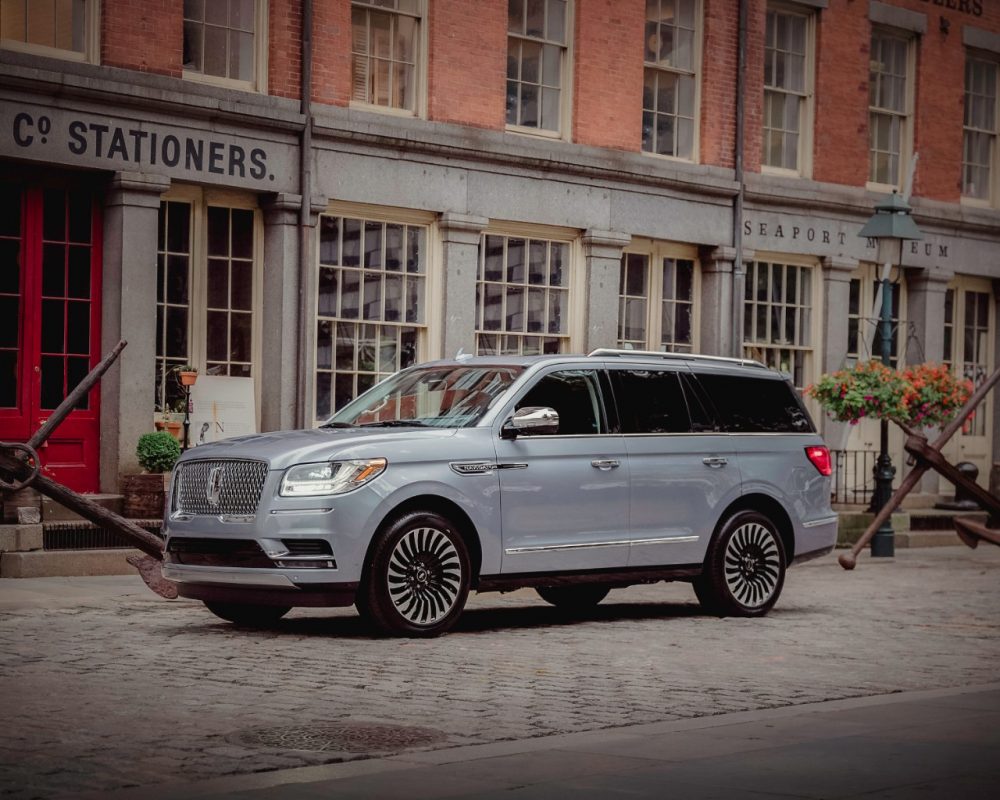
<point>490,176</point>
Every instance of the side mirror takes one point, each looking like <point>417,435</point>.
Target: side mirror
<point>531,420</point>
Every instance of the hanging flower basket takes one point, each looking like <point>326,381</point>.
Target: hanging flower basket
<point>924,395</point>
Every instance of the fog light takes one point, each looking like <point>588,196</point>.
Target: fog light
<point>306,563</point>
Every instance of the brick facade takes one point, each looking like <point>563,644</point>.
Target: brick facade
<point>144,35</point>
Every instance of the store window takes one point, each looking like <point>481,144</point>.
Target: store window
<point>656,309</point>
<point>371,313</point>
<point>385,53</point>
<point>777,323</point>
<point>206,291</point>
<point>864,331</point>
<point>537,64</point>
<point>788,55</point>
<point>670,64</point>
<point>889,107</point>
<point>522,296</point>
<point>980,128</point>
<point>225,41</point>
<point>61,28</point>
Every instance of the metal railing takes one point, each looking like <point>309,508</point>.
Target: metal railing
<point>852,476</point>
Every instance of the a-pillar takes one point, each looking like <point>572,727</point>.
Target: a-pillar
<point>924,340</point>
<point>833,355</point>
<point>716,301</point>
<point>128,311</point>
<point>455,329</point>
<point>602,251</point>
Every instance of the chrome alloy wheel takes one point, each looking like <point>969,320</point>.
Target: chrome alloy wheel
<point>424,576</point>
<point>753,564</point>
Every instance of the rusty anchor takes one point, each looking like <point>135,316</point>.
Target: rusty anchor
<point>20,467</point>
<point>928,457</point>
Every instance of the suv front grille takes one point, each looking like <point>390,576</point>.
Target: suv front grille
<point>198,552</point>
<point>217,487</point>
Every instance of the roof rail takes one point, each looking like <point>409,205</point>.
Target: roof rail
<point>610,351</point>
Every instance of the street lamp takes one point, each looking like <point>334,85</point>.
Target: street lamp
<point>889,228</point>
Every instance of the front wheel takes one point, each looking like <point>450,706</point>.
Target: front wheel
<point>250,616</point>
<point>418,577</point>
<point>744,568</point>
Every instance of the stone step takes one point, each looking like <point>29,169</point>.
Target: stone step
<point>66,563</point>
<point>908,539</point>
<point>56,512</point>
<point>933,519</point>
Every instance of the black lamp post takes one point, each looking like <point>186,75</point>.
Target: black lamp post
<point>889,227</point>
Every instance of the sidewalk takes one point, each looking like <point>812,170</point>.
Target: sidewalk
<point>931,744</point>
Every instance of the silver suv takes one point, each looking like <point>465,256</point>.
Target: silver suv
<point>569,474</point>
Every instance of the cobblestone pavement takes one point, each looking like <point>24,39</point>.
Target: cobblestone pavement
<point>101,693</point>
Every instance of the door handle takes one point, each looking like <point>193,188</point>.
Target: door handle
<point>715,461</point>
<point>605,463</point>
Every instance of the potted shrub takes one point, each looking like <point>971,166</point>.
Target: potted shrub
<point>187,375</point>
<point>145,493</point>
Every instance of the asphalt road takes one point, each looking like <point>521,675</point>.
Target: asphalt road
<point>105,686</point>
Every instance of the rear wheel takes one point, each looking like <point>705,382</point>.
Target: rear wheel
<point>744,569</point>
<point>574,598</point>
<point>418,578</point>
<point>251,616</point>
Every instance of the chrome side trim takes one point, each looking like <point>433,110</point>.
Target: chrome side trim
<point>291,511</point>
<point>472,467</point>
<point>548,548</point>
<point>815,523</point>
<point>228,576</point>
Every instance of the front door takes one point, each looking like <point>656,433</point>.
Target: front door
<point>50,273</point>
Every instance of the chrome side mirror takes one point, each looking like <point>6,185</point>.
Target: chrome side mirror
<point>531,420</point>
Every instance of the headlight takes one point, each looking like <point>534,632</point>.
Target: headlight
<point>330,477</point>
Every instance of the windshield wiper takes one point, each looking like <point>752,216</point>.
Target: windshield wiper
<point>395,423</point>
<point>338,425</point>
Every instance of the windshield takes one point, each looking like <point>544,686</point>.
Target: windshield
<point>442,397</point>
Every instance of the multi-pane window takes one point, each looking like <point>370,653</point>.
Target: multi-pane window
<point>204,294</point>
<point>786,89</point>
<point>864,329</point>
<point>219,38</point>
<point>777,323</point>
<point>888,106</point>
<point>979,140</point>
<point>669,78</point>
<point>385,46</point>
<point>371,307</point>
<point>949,326</point>
<point>536,55</point>
<point>975,351</point>
<point>50,24</point>
<point>656,305</point>
<point>522,296</point>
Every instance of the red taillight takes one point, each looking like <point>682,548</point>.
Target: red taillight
<point>820,457</point>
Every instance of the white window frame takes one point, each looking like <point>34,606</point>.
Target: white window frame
<point>695,73</point>
<point>260,58</point>
<point>91,53</point>
<point>420,62</point>
<point>804,155</point>
<point>866,275</point>
<point>565,130</point>
<point>572,309</point>
<point>655,253</point>
<point>429,329</point>
<point>812,351</point>
<point>906,117</point>
<point>960,286</point>
<point>200,200</point>
<point>991,198</point>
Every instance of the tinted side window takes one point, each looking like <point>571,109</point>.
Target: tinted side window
<point>650,401</point>
<point>754,405</point>
<point>575,396</point>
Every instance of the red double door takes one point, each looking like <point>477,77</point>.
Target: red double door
<point>50,281</point>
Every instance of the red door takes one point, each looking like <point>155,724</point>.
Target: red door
<point>50,257</point>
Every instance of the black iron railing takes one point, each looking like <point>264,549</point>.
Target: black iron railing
<point>852,476</point>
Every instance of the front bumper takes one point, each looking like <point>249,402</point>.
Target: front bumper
<point>259,587</point>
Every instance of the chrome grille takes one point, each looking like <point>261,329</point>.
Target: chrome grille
<point>236,484</point>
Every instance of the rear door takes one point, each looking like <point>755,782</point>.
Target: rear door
<point>683,470</point>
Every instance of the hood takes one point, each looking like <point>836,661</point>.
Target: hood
<point>282,449</point>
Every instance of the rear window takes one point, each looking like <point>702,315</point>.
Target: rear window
<point>755,405</point>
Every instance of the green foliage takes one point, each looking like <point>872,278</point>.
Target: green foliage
<point>157,452</point>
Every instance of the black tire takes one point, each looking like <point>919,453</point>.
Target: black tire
<point>574,598</point>
<point>417,580</point>
<point>744,568</point>
<point>250,616</point>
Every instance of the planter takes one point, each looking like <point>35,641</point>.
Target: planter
<point>144,495</point>
<point>188,378</point>
<point>175,428</point>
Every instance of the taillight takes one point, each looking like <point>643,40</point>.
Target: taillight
<point>820,457</point>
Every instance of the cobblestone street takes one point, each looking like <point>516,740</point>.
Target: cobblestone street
<point>116,687</point>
